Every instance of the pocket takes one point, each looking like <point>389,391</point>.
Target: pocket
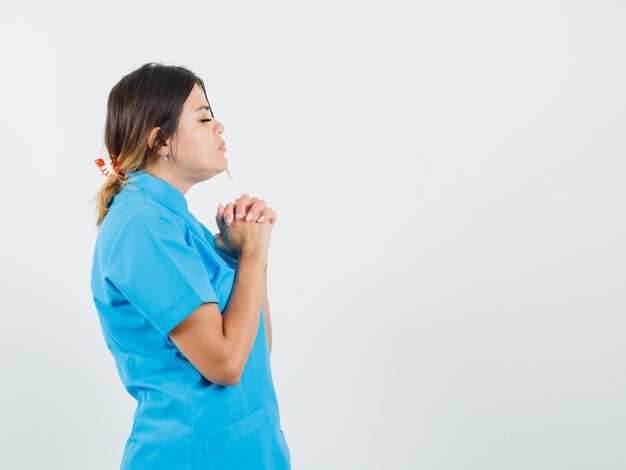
<point>243,444</point>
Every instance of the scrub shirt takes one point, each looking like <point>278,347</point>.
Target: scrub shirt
<point>153,265</point>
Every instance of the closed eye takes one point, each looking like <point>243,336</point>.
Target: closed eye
<point>205,120</point>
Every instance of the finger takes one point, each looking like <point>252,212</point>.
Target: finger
<point>219,217</point>
<point>273,218</point>
<point>263,216</point>
<point>268,216</point>
<point>219,243</point>
<point>250,202</point>
<point>248,206</point>
<point>229,213</point>
<point>250,199</point>
<point>255,209</point>
<point>240,205</point>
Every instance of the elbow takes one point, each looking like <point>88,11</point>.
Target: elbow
<point>232,381</point>
<point>225,374</point>
<point>225,378</point>
<point>231,374</point>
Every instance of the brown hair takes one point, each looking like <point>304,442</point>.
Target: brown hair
<point>151,96</point>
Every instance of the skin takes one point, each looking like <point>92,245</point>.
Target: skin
<point>199,158</point>
<point>251,209</point>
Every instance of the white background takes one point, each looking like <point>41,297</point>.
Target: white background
<point>446,276</point>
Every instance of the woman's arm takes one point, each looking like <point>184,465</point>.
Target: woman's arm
<point>266,312</point>
<point>244,205</point>
<point>219,345</point>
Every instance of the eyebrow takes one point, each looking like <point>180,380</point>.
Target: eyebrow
<point>203,107</point>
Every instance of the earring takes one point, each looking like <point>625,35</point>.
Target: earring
<point>164,156</point>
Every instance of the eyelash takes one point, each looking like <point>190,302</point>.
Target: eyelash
<point>206,120</point>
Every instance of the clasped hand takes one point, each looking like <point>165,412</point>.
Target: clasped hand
<point>244,208</point>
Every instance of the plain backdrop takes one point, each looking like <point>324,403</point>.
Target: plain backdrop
<point>447,271</point>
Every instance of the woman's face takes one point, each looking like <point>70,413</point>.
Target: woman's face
<point>197,145</point>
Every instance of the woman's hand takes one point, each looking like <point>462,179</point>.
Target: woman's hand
<point>249,209</point>
<point>245,209</point>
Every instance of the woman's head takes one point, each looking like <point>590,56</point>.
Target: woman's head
<point>160,110</point>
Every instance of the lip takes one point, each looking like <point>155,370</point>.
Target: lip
<point>222,147</point>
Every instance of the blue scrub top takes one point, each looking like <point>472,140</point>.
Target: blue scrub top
<point>153,265</point>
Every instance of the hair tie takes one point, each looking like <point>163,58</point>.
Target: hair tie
<point>105,169</point>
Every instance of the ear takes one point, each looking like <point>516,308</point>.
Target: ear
<point>152,136</point>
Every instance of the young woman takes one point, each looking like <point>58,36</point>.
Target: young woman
<point>184,313</point>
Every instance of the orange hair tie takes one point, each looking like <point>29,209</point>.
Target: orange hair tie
<point>104,168</point>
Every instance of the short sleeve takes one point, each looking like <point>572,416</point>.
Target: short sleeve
<point>152,265</point>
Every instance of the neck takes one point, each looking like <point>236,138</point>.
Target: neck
<point>179,183</point>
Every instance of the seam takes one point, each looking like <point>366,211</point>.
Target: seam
<point>245,393</point>
<point>176,303</point>
<point>193,434</point>
<point>113,337</point>
<point>130,371</point>
<point>265,424</point>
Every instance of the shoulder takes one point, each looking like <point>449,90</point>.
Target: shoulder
<point>136,211</point>
<point>150,225</point>
<point>145,230</point>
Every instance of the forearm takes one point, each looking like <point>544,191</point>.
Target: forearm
<point>240,320</point>
<point>266,312</point>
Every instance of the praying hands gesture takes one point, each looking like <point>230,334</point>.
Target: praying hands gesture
<point>243,226</point>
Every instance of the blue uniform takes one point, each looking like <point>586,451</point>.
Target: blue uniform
<point>153,265</point>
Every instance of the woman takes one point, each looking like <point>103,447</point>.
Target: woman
<point>184,313</point>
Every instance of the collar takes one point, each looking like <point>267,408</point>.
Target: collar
<point>172,199</point>
<point>160,190</point>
